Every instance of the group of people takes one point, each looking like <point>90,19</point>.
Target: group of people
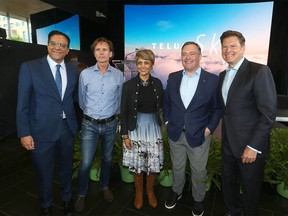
<point>192,105</point>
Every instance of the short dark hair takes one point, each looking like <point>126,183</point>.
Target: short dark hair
<point>192,43</point>
<point>230,33</point>
<point>100,40</point>
<point>56,32</point>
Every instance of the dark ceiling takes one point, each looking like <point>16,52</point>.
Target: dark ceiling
<point>95,9</point>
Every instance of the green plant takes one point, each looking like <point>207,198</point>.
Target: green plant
<point>276,170</point>
<point>77,155</point>
<point>167,165</point>
<point>166,172</point>
<point>214,167</point>
<point>118,149</point>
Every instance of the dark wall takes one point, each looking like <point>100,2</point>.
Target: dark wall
<point>12,55</point>
<point>278,49</point>
<point>116,28</point>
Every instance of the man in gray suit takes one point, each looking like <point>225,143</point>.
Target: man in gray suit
<point>248,99</point>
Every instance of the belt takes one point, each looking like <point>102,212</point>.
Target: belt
<point>99,121</point>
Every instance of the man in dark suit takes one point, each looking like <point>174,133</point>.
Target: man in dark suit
<point>46,119</point>
<point>192,112</point>
<point>248,99</point>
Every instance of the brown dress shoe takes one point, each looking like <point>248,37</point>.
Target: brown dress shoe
<point>68,208</point>
<point>46,211</point>
<point>108,195</point>
<point>79,203</point>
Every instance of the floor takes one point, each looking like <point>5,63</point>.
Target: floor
<point>18,192</point>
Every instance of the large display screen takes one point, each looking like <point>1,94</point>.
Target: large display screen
<point>165,28</point>
<point>68,26</point>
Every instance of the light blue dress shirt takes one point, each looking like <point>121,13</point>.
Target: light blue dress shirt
<point>100,94</point>
<point>188,86</point>
<point>229,77</point>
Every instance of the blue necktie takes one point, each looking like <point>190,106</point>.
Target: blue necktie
<point>58,80</point>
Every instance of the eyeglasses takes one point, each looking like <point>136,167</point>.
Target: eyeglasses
<point>55,44</point>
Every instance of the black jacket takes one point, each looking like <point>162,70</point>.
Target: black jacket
<point>129,101</point>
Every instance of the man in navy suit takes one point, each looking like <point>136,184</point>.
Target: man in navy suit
<point>249,103</point>
<point>192,112</point>
<point>46,119</point>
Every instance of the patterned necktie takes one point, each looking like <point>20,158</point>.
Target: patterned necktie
<point>58,79</point>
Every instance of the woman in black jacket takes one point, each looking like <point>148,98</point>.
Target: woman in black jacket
<point>140,127</point>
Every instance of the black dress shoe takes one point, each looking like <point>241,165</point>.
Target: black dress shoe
<point>68,208</point>
<point>46,211</point>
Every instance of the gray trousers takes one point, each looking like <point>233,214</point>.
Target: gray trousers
<point>198,157</point>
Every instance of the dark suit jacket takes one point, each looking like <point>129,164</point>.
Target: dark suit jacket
<point>39,108</point>
<point>250,111</point>
<point>203,111</point>
<point>129,99</point>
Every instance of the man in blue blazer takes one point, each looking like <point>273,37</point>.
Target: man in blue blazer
<point>192,112</point>
<point>46,119</point>
<point>249,102</point>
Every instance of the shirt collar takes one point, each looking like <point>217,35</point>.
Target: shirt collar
<point>237,66</point>
<point>96,68</point>
<point>197,72</point>
<point>53,63</point>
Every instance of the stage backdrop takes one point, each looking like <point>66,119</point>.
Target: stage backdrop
<point>164,29</point>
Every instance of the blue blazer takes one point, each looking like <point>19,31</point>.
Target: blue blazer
<point>203,111</point>
<point>40,108</point>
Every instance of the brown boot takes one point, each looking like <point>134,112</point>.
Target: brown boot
<point>150,182</point>
<point>138,181</point>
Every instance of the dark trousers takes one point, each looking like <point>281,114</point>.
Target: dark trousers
<point>248,177</point>
<point>44,157</point>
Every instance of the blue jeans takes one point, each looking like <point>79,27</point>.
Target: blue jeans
<point>89,140</point>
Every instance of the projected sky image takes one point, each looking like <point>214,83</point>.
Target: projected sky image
<point>69,26</point>
<point>164,29</point>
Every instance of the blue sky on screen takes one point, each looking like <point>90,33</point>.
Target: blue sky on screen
<point>164,29</point>
<point>69,26</point>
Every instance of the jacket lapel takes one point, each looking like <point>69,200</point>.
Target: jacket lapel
<point>48,76</point>
<point>178,84</point>
<point>221,79</point>
<point>68,80</point>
